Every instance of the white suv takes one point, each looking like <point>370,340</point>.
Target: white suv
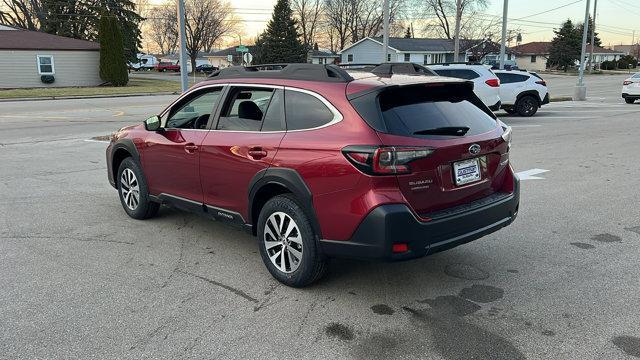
<point>486,84</point>
<point>631,89</point>
<point>522,92</point>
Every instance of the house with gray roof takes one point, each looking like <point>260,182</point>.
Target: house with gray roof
<point>416,50</point>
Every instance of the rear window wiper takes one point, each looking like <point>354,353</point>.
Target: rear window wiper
<point>447,130</point>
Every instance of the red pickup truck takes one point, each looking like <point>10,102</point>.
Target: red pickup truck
<point>167,66</point>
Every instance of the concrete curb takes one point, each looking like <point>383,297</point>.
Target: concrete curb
<point>71,97</point>
<point>560,98</point>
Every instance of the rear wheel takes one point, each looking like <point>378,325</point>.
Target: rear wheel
<point>133,190</point>
<point>629,100</point>
<point>288,243</point>
<point>527,106</point>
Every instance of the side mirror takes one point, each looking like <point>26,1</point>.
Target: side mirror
<point>152,123</point>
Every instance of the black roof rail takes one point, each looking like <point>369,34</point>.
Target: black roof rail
<point>296,71</point>
<point>390,68</point>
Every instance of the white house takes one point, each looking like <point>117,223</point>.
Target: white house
<point>31,59</point>
<point>322,57</point>
<point>534,55</point>
<point>420,51</point>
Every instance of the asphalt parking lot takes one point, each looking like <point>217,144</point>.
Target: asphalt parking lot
<point>79,279</point>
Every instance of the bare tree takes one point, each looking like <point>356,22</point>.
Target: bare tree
<point>340,16</point>
<point>27,14</point>
<point>207,22</point>
<point>308,13</point>
<point>444,12</point>
<point>161,28</point>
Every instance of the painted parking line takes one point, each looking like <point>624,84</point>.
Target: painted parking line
<point>97,141</point>
<point>531,174</point>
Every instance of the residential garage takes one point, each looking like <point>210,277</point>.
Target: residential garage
<point>27,58</point>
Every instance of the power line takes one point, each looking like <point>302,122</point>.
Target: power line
<point>550,10</point>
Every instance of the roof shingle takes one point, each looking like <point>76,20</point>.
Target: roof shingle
<point>34,40</point>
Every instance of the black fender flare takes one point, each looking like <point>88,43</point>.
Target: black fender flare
<point>291,180</point>
<point>121,144</point>
<point>533,93</point>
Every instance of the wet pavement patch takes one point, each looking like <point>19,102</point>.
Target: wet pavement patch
<point>582,245</point>
<point>465,271</point>
<point>606,238</point>
<point>482,293</point>
<point>382,309</point>
<point>630,345</point>
<point>453,305</point>
<point>102,138</point>
<point>513,271</point>
<point>447,330</point>
<point>339,331</point>
<point>635,229</point>
<point>548,333</point>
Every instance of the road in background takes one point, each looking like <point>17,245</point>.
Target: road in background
<point>80,279</point>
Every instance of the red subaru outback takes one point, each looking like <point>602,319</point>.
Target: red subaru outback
<point>319,162</point>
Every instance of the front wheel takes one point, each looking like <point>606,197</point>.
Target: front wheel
<point>527,106</point>
<point>629,100</point>
<point>133,190</point>
<point>288,243</point>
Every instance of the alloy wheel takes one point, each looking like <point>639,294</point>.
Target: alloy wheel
<point>283,242</point>
<point>130,189</point>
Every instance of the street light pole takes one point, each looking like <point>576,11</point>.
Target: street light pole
<point>385,30</point>
<point>503,50</point>
<point>183,47</point>
<point>580,92</point>
<point>593,35</point>
<point>456,42</point>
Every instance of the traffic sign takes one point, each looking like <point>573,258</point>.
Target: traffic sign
<point>242,49</point>
<point>248,58</point>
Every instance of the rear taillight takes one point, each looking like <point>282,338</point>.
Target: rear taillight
<point>393,160</point>
<point>627,82</point>
<point>493,82</point>
<point>541,82</point>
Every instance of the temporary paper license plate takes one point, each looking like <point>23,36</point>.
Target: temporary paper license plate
<point>466,171</point>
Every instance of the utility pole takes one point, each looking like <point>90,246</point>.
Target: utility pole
<point>183,47</point>
<point>503,50</point>
<point>456,42</point>
<point>580,92</point>
<point>593,35</point>
<point>385,30</point>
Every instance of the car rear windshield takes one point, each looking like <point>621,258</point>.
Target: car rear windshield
<point>449,111</point>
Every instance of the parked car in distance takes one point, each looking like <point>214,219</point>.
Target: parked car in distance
<point>206,68</point>
<point>486,84</point>
<point>146,62</point>
<point>167,66</point>
<point>631,89</point>
<point>521,92</point>
<point>318,162</point>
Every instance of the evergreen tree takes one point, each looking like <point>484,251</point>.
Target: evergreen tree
<point>113,67</point>
<point>407,34</point>
<point>565,46</point>
<point>596,38</point>
<point>280,42</point>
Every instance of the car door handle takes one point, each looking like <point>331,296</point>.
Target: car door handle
<point>257,153</point>
<point>190,148</point>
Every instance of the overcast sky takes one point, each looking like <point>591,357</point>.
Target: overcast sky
<point>615,21</point>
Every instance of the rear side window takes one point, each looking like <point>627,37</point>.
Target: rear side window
<point>305,111</point>
<point>416,114</point>
<point>458,73</point>
<point>507,78</point>
<point>245,109</point>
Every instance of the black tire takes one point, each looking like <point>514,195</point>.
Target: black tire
<point>629,100</point>
<point>312,265</point>
<point>145,208</point>
<point>510,111</point>
<point>527,106</point>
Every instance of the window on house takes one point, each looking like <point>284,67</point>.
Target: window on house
<point>437,58</point>
<point>388,57</point>
<point>407,57</point>
<point>349,57</point>
<point>534,58</point>
<point>45,65</point>
<point>426,60</point>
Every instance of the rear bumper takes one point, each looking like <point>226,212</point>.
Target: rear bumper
<point>391,224</point>
<point>496,106</point>
<point>630,96</point>
<point>545,100</point>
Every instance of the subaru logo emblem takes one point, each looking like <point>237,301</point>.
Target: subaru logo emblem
<point>474,149</point>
